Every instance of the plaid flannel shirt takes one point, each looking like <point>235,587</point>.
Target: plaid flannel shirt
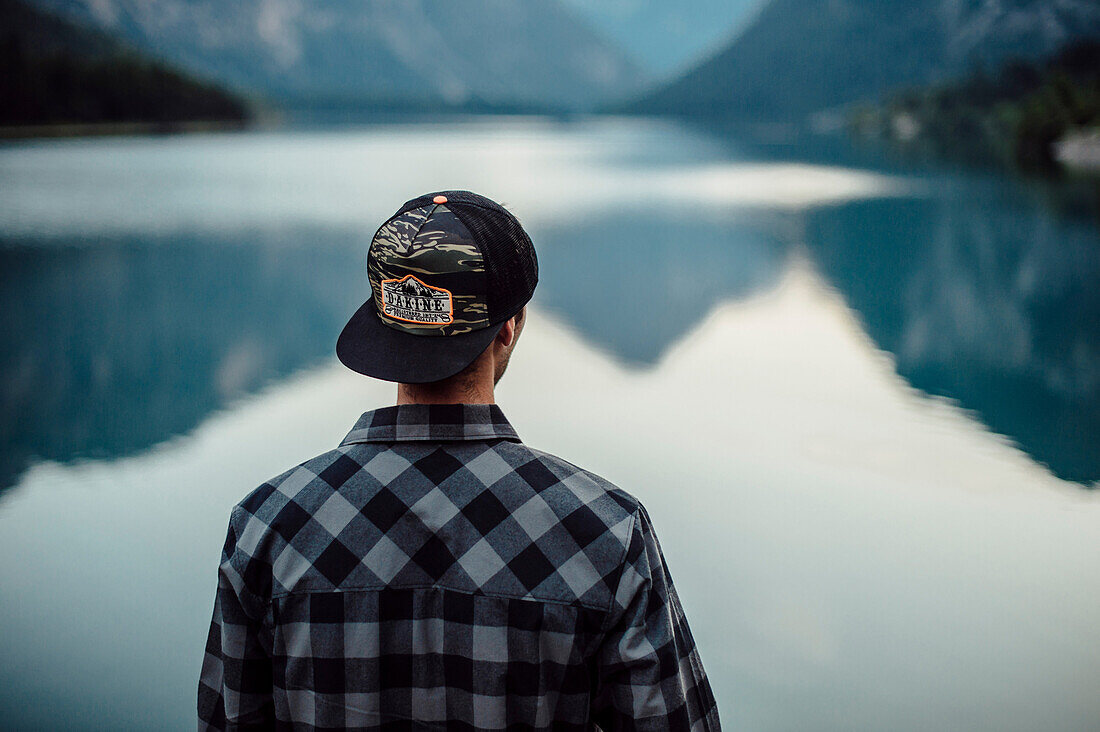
<point>434,572</point>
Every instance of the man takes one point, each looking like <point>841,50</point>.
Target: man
<point>434,572</point>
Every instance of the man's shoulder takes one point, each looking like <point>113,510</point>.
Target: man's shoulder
<point>587,504</point>
<point>584,482</point>
<point>579,522</point>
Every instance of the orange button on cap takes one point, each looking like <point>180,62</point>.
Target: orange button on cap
<point>439,199</point>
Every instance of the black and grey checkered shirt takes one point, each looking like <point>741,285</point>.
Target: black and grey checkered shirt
<point>433,572</point>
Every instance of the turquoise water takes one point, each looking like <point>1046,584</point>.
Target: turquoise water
<point>862,402</point>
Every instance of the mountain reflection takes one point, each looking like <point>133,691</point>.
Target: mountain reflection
<point>994,306</point>
<point>110,346</point>
<point>634,283</point>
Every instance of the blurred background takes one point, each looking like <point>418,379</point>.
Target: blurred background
<point>818,285</point>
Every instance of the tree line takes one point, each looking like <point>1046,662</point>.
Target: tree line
<point>1013,116</point>
<point>54,72</point>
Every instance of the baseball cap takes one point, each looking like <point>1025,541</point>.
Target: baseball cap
<point>445,272</point>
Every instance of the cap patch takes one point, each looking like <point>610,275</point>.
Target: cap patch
<point>447,296</point>
<point>413,301</point>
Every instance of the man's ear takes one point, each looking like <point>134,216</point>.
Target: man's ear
<point>507,332</point>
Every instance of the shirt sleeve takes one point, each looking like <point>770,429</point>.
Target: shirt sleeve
<point>235,685</point>
<point>649,674</point>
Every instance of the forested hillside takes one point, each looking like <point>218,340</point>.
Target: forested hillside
<point>56,72</point>
<point>1016,115</point>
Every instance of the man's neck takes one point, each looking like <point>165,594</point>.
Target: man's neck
<point>443,393</point>
<point>473,385</point>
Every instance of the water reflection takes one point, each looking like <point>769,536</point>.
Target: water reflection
<point>112,345</point>
<point>992,304</point>
<point>634,284</point>
<point>109,346</point>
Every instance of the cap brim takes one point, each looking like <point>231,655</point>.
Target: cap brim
<point>370,347</point>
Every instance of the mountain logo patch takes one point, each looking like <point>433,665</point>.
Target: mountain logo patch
<point>412,301</point>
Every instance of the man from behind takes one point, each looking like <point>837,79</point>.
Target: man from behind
<point>433,571</point>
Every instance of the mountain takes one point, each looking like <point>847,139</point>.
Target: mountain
<point>802,56</point>
<point>377,52</point>
<point>414,288</point>
<point>665,38</point>
<point>56,72</point>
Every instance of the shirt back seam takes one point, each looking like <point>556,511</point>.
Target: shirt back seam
<point>501,595</point>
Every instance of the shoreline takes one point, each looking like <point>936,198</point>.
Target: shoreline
<point>112,129</point>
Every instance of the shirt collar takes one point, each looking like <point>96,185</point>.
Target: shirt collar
<point>432,422</point>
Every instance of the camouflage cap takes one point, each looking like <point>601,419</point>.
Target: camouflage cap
<point>445,272</point>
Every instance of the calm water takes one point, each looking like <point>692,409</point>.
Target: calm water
<point>861,403</point>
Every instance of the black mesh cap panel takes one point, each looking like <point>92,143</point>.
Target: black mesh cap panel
<point>512,269</point>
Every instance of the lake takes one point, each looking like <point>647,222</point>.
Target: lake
<point>860,400</point>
